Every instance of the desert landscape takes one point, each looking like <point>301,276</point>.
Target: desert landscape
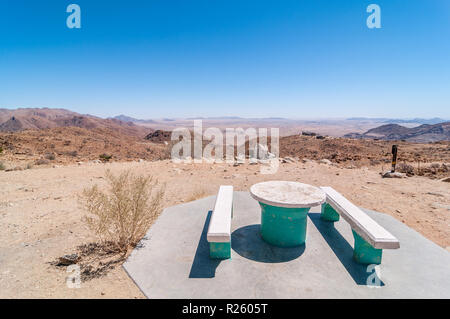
<point>48,157</point>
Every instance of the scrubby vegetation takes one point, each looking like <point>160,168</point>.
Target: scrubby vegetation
<point>405,168</point>
<point>42,161</point>
<point>50,156</point>
<point>197,194</point>
<point>122,214</point>
<point>105,157</point>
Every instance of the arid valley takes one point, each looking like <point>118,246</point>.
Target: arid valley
<point>46,169</point>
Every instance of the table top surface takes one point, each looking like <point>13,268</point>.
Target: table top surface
<point>287,194</point>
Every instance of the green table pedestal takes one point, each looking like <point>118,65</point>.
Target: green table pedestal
<point>283,227</point>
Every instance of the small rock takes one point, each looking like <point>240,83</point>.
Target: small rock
<point>325,161</point>
<point>394,175</point>
<point>435,194</point>
<point>141,160</point>
<point>447,180</point>
<point>80,163</point>
<point>288,160</point>
<point>68,260</point>
<point>439,205</point>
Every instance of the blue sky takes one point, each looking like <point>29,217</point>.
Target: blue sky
<point>166,58</point>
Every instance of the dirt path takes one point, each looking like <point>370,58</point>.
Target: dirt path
<point>40,218</point>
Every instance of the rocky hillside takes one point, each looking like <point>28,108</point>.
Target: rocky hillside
<point>420,134</point>
<point>44,118</point>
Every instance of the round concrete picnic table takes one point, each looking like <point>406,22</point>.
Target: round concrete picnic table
<point>284,208</point>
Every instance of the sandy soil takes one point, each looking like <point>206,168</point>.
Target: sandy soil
<point>41,220</point>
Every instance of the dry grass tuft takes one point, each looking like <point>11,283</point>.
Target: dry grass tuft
<point>122,214</point>
<point>405,168</point>
<point>197,194</point>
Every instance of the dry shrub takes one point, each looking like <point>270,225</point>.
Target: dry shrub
<point>42,161</point>
<point>105,157</point>
<point>405,168</point>
<point>72,153</point>
<point>50,156</point>
<point>435,165</point>
<point>123,213</point>
<point>197,194</point>
<point>2,166</point>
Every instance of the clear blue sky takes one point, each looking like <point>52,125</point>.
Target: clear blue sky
<point>251,58</point>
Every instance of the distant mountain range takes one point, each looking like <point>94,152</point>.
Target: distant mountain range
<point>420,134</point>
<point>134,120</point>
<point>45,118</point>
<point>435,120</point>
<point>125,118</point>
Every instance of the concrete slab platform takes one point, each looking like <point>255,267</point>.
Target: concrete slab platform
<point>173,261</point>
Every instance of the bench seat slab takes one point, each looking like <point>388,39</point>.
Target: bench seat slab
<point>364,253</point>
<point>220,250</point>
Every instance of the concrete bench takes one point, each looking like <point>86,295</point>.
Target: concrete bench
<point>219,230</point>
<point>370,237</point>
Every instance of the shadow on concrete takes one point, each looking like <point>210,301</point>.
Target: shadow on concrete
<point>342,249</point>
<point>203,266</point>
<point>247,242</point>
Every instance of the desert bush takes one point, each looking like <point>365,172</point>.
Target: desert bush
<point>197,194</point>
<point>435,165</point>
<point>124,212</point>
<point>105,157</point>
<point>50,156</point>
<point>42,161</point>
<point>1,149</point>
<point>2,166</point>
<point>405,168</point>
<point>72,153</point>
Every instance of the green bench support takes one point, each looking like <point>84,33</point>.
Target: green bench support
<point>328,213</point>
<point>220,250</point>
<point>219,229</point>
